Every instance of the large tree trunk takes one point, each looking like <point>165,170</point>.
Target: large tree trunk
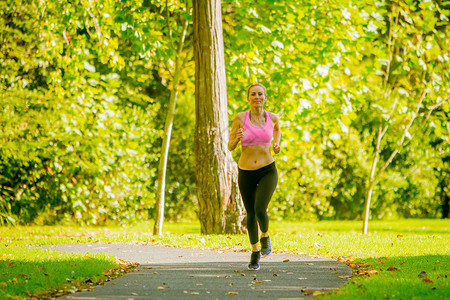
<point>220,208</point>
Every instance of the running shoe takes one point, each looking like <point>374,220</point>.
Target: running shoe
<point>254,261</point>
<point>266,248</point>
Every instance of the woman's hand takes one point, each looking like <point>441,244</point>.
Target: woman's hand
<point>235,138</point>
<point>239,134</point>
<point>276,148</point>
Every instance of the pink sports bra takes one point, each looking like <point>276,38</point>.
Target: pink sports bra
<point>255,135</point>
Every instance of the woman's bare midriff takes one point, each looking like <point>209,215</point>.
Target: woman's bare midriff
<point>254,157</point>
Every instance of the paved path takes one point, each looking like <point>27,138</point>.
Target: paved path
<point>176,273</point>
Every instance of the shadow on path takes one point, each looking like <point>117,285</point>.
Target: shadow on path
<point>175,273</point>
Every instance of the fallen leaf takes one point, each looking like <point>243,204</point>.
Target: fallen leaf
<point>392,269</point>
<point>399,236</point>
<point>275,275</point>
<point>403,263</point>
<point>194,293</point>
<point>135,294</point>
<point>303,290</point>
<point>422,274</point>
<point>308,293</point>
<point>147,267</point>
<point>316,293</point>
<point>233,293</point>
<point>342,258</point>
<point>427,280</point>
<point>302,278</point>
<point>353,266</point>
<point>286,260</point>
<point>345,276</point>
<point>160,287</point>
<point>230,284</point>
<point>366,272</point>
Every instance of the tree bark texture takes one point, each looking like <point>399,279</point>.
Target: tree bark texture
<point>220,208</point>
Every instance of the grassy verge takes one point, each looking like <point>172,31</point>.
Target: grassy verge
<point>28,273</point>
<point>406,259</point>
<point>36,273</point>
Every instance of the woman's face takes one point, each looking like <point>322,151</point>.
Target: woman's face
<point>257,96</point>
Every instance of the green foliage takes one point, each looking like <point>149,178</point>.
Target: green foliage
<point>85,88</point>
<point>336,72</point>
<point>76,146</point>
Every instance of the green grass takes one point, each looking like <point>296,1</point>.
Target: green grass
<point>28,272</point>
<point>406,248</point>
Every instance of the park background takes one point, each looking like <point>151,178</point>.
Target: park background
<point>361,87</point>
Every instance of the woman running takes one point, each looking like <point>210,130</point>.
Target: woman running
<point>258,175</point>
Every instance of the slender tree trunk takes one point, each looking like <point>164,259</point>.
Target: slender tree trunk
<point>220,209</point>
<point>381,132</point>
<point>375,176</point>
<point>367,209</point>
<point>160,193</point>
<point>444,195</point>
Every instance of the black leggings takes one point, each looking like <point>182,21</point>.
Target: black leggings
<point>257,187</point>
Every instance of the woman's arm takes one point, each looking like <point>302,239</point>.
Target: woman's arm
<point>276,133</point>
<point>236,133</point>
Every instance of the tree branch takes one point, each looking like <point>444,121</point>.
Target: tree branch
<point>439,104</point>
<point>405,132</point>
<point>390,47</point>
<point>168,23</point>
<point>430,111</point>
<point>97,27</point>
